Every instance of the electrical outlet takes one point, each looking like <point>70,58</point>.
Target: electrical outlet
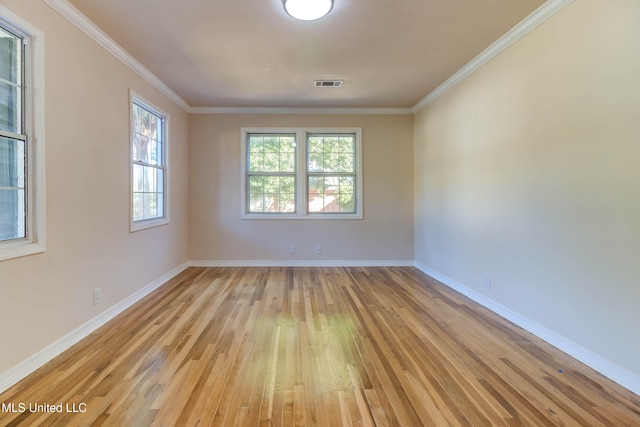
<point>292,249</point>
<point>487,281</point>
<point>97,296</point>
<point>318,249</point>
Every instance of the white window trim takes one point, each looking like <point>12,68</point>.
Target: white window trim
<point>35,241</point>
<point>301,173</point>
<point>156,222</point>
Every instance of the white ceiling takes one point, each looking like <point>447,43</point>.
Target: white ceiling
<point>250,53</point>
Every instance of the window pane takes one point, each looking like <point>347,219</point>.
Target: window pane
<point>138,178</point>
<point>271,184</point>
<point>154,127</point>
<point>256,194</point>
<point>149,205</point>
<point>346,193</point>
<point>12,163</point>
<point>288,144</point>
<point>346,163</point>
<point>10,57</point>
<point>271,162</point>
<point>256,144</point>
<point>315,144</point>
<point>142,120</point>
<point>316,194</point>
<point>287,161</point>
<point>147,136</point>
<point>347,144</point>
<point>331,153</point>
<point>275,194</point>
<point>12,214</point>
<point>12,189</point>
<point>287,184</point>
<point>159,205</point>
<point>287,202</point>
<point>333,194</point>
<point>136,121</point>
<point>148,195</point>
<point>138,207</point>
<point>256,202</point>
<point>10,88</point>
<point>155,153</point>
<point>147,150</point>
<point>140,147</point>
<point>256,184</point>
<point>256,162</point>
<point>330,144</point>
<point>272,201</point>
<point>10,108</point>
<point>331,162</point>
<point>160,180</point>
<point>316,162</point>
<point>271,153</point>
<point>149,183</point>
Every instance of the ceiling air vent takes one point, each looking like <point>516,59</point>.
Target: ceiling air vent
<point>328,83</point>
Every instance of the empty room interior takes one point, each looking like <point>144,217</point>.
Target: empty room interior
<point>402,212</point>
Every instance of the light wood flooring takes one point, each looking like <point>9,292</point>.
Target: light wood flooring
<point>280,346</point>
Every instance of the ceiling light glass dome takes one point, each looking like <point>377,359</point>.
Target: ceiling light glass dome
<point>307,10</point>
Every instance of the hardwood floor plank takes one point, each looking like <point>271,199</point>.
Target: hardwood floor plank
<point>304,346</point>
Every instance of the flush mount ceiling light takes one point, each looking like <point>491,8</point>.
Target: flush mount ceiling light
<point>307,10</point>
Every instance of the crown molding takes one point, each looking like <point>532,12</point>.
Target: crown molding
<point>73,15</point>
<point>540,15</point>
<point>294,110</point>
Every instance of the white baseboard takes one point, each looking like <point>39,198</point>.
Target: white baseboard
<point>600,364</point>
<point>28,366</point>
<point>17,373</point>
<point>589,358</point>
<point>302,263</point>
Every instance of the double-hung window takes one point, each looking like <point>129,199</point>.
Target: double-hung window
<point>149,165</point>
<point>302,173</point>
<point>21,153</point>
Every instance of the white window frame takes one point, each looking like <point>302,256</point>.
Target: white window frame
<point>154,222</point>
<point>301,173</point>
<point>33,123</point>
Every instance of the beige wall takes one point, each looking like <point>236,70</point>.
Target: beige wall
<point>528,171</point>
<point>217,232</point>
<point>45,296</point>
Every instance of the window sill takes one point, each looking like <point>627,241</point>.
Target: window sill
<point>334,216</point>
<point>150,223</point>
<point>19,249</point>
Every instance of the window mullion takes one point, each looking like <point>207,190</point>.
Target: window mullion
<point>301,173</point>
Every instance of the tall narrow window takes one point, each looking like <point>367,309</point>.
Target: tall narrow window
<point>149,165</point>
<point>13,212</point>
<point>21,184</point>
<point>302,173</point>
